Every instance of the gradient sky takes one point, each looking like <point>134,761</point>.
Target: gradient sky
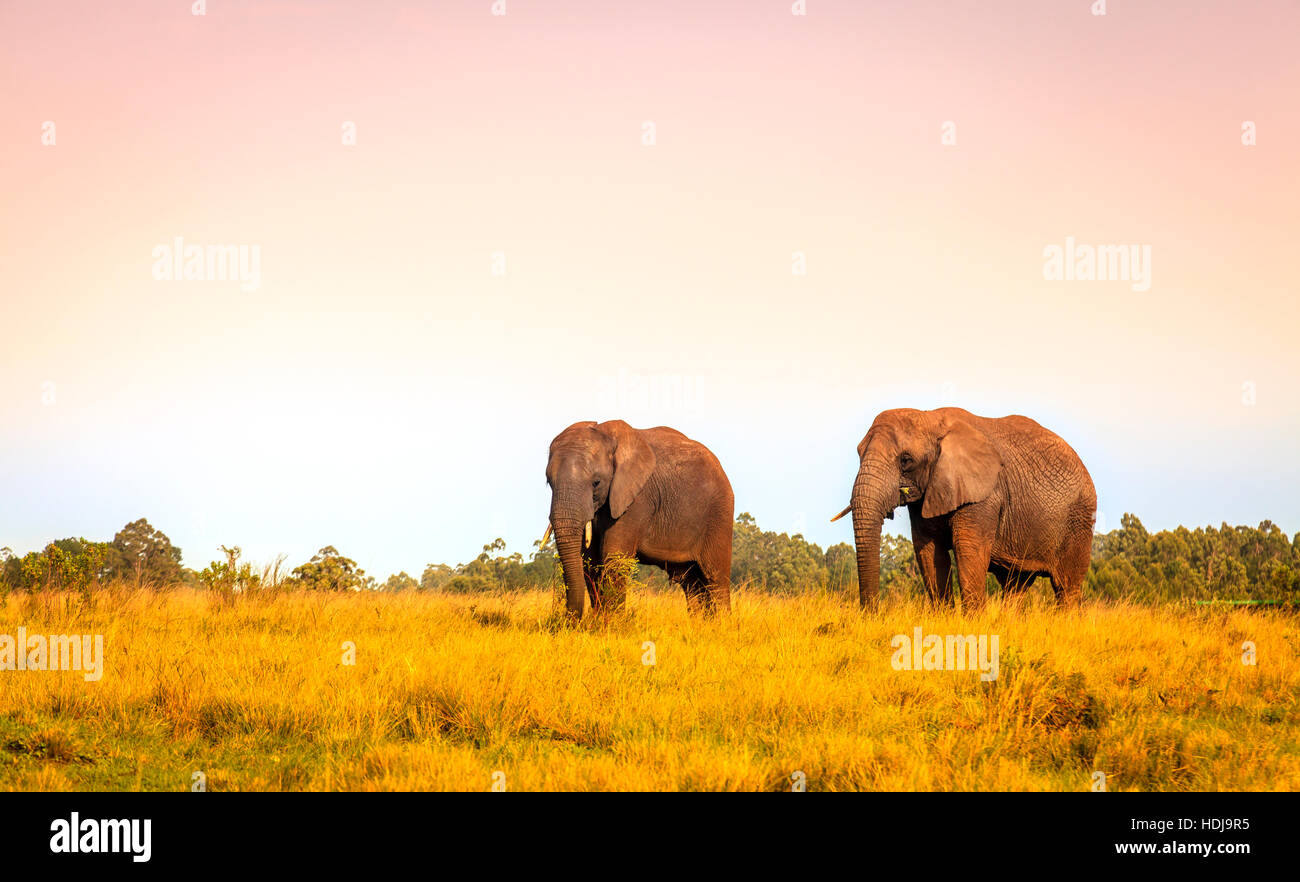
<point>382,391</point>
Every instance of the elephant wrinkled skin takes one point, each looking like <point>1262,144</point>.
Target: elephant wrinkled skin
<point>650,494</point>
<point>1004,495</point>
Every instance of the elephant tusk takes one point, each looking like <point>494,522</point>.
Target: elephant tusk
<point>546,535</point>
<point>848,508</point>
<point>586,536</point>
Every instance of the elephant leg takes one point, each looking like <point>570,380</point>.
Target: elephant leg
<point>614,552</point>
<point>1067,582</point>
<point>1012,581</point>
<point>1015,584</point>
<point>696,588</point>
<point>973,550</point>
<point>1020,582</point>
<point>677,572</point>
<point>1075,554</point>
<point>716,570</point>
<point>932,542</point>
<point>1066,594</point>
<point>720,596</point>
<point>936,568</point>
<point>679,575</point>
<point>591,576</point>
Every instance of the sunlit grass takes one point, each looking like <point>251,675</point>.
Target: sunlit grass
<point>446,691</point>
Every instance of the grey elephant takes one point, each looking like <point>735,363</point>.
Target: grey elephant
<point>650,494</point>
<point>1004,495</point>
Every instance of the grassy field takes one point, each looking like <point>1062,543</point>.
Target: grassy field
<point>446,692</point>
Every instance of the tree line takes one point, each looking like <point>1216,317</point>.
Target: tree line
<point>1229,563</point>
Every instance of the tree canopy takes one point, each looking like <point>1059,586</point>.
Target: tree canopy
<point>1227,563</point>
<point>328,571</point>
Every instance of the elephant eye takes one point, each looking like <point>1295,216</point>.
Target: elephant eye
<point>595,483</point>
<point>906,460</point>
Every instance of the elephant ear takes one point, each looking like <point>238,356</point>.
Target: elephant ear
<point>633,463</point>
<point>966,471</point>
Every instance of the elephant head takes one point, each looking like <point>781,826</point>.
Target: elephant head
<point>937,458</point>
<point>592,466</point>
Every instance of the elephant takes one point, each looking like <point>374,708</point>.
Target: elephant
<point>650,494</point>
<point>1005,495</point>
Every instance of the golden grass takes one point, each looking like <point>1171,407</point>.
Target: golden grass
<point>446,691</point>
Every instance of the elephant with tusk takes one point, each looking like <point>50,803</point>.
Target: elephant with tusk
<point>1003,495</point>
<point>649,494</point>
<point>586,535</point>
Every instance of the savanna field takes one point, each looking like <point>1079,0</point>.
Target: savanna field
<point>447,691</point>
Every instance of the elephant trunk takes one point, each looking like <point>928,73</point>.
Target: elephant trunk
<point>572,524</point>
<point>873,498</point>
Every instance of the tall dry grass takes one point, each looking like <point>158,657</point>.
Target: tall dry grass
<point>252,692</point>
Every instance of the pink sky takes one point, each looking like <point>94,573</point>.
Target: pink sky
<point>382,391</point>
